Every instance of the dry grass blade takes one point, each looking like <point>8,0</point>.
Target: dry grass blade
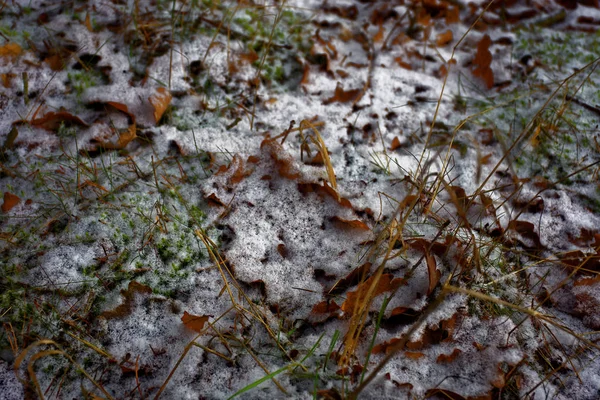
<point>318,141</point>
<point>45,342</point>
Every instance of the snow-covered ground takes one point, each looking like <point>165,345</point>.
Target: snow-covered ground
<point>299,199</point>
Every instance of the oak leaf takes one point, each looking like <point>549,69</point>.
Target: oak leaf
<point>194,322</point>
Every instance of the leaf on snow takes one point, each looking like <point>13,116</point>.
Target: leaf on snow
<point>125,136</point>
<point>128,295</point>
<point>444,38</point>
<point>160,102</point>
<point>10,50</point>
<point>448,358</point>
<point>53,120</point>
<point>343,96</point>
<point>350,223</point>
<point>194,322</point>
<point>483,61</point>
<point>10,200</point>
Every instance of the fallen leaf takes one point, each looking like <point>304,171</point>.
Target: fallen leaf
<point>395,143</point>
<point>343,96</point>
<point>414,355</point>
<point>10,200</point>
<point>53,120</point>
<point>10,50</point>
<point>194,322</point>
<point>88,22</point>
<point>126,135</point>
<point>160,101</point>
<point>452,15</point>
<point>350,224</point>
<point>483,61</point>
<point>444,38</point>
<point>443,358</point>
<point>126,308</point>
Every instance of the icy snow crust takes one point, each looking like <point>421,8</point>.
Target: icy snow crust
<point>106,250</point>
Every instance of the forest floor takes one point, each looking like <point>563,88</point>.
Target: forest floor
<point>299,199</point>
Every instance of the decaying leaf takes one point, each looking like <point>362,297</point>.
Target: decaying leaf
<point>128,295</point>
<point>194,322</point>
<point>483,61</point>
<point>395,143</point>
<point>448,358</point>
<point>160,102</point>
<point>10,201</point>
<point>53,120</point>
<point>125,136</point>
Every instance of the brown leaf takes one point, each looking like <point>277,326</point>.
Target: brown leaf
<point>395,143</point>
<point>194,322</point>
<point>527,230</point>
<point>160,102</point>
<point>414,355</point>
<point>10,50</point>
<point>443,358</point>
<point>444,38</point>
<point>350,224</point>
<point>325,307</point>
<point>400,61</point>
<point>88,22</point>
<point>53,120</point>
<point>213,200</point>
<point>483,61</point>
<point>10,200</point>
<point>126,135</point>
<point>128,295</point>
<point>343,96</point>
<point>452,15</point>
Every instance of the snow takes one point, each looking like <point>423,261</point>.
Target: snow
<point>88,225</point>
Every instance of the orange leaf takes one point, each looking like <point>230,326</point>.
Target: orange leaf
<point>452,15</point>
<point>10,200</point>
<point>351,224</point>
<point>194,322</point>
<point>10,50</point>
<point>443,358</point>
<point>343,96</point>
<point>160,101</point>
<point>414,355</point>
<point>444,38</point>
<point>126,307</point>
<point>88,22</point>
<point>483,61</point>
<point>125,136</point>
<point>395,143</point>
<point>403,63</point>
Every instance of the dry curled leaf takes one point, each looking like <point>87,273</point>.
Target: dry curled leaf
<point>350,223</point>
<point>448,358</point>
<point>160,102</point>
<point>194,322</point>
<point>52,121</point>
